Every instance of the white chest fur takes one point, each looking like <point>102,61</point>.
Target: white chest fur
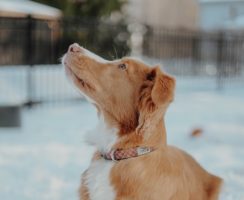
<point>98,175</point>
<point>102,137</point>
<point>98,181</point>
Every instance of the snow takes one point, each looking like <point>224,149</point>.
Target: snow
<point>26,7</point>
<point>43,160</point>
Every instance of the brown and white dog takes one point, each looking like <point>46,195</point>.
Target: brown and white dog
<point>133,160</point>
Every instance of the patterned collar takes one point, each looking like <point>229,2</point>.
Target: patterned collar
<point>121,154</point>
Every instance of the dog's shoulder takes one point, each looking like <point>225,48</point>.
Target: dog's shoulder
<point>185,161</point>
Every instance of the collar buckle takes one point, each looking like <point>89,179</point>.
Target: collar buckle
<point>143,150</point>
<point>112,156</point>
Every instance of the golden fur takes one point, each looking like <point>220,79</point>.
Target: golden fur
<point>134,99</point>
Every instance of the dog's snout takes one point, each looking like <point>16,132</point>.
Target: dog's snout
<point>75,48</point>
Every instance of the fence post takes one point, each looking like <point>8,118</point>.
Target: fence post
<point>196,45</point>
<point>220,51</point>
<point>30,60</point>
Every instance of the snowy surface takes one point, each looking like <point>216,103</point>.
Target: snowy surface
<point>43,160</point>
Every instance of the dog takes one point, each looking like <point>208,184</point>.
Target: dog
<point>133,160</point>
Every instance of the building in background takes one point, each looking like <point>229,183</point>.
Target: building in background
<point>189,14</point>
<point>165,13</point>
<point>24,8</point>
<point>159,14</point>
<point>221,14</point>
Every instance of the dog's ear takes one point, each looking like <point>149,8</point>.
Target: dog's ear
<point>163,87</point>
<point>154,97</point>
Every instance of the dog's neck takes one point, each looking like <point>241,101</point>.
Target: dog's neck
<point>102,136</point>
<point>106,136</point>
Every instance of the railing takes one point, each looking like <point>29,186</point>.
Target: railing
<point>198,53</point>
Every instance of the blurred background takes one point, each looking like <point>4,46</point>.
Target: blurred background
<point>43,118</point>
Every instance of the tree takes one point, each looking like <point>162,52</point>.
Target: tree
<point>82,23</point>
<point>86,8</point>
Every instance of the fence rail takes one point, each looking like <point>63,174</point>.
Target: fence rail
<point>38,44</point>
<point>223,49</point>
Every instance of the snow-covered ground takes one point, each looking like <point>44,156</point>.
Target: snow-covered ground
<point>43,160</point>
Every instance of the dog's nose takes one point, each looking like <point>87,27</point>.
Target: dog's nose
<point>75,48</point>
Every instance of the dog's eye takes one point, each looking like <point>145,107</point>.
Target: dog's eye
<point>122,66</point>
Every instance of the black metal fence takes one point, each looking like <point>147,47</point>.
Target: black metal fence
<point>28,41</point>
<point>30,50</point>
<point>198,53</point>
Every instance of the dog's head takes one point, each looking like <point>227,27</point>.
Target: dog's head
<point>128,93</point>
